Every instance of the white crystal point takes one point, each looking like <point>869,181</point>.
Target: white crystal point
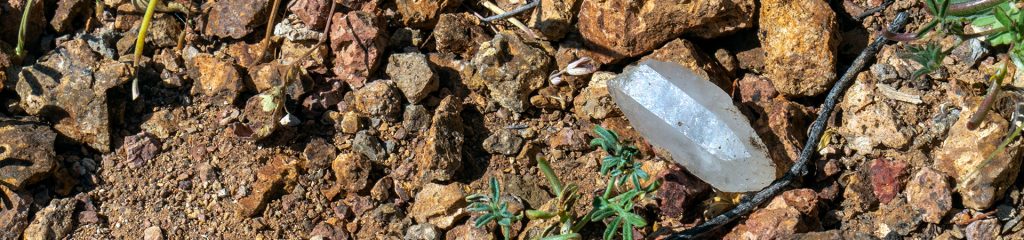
<point>696,122</point>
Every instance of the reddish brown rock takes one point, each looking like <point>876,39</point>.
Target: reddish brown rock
<point>800,39</point>
<point>216,77</point>
<point>929,194</point>
<point>689,56</point>
<point>14,215</point>
<point>556,17</point>
<point>140,148</point>
<point>236,18</point>
<point>783,126</point>
<point>755,88</point>
<point>679,190</point>
<point>459,33</point>
<point>794,211</point>
<point>439,157</point>
<point>270,180</point>
<point>886,178</point>
<point>312,12</point>
<point>67,12</point>
<point>351,174</point>
<point>617,29</point>
<point>568,139</point>
<point>358,40</point>
<point>423,13</point>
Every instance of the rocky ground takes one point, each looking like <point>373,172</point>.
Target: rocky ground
<point>409,106</point>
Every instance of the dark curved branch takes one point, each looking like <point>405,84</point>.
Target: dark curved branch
<point>799,168</point>
<point>516,11</point>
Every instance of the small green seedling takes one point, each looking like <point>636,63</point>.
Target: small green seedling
<point>568,224</point>
<point>140,42</point>
<point>619,164</point>
<point>619,167</point>
<point>929,56</point>
<point>494,209</point>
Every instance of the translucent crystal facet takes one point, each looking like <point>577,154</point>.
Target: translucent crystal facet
<point>696,122</point>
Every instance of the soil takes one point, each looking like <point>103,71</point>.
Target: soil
<point>380,129</point>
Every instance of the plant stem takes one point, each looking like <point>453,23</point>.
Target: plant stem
<point>971,7</point>
<point>265,43</point>
<point>140,43</point>
<point>993,92</point>
<point>556,185</point>
<point>799,168</point>
<point>20,49</point>
<point>516,11</point>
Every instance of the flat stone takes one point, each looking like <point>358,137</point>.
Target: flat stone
<point>594,102</point>
<point>440,205</point>
<point>792,212</point>
<point>351,173</point>
<point>28,147</point>
<point>236,18</point>
<point>503,142</point>
<point>688,55</point>
<point>358,40</point>
<point>697,123</point>
<point>413,75</point>
<point>887,177</point>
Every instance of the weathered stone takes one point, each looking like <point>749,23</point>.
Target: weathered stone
<point>691,57</point>
<point>568,139</point>
<point>270,180</point>
<point>616,29</point>
<point>800,39</point>
<point>965,153</point>
<point>511,69</point>
<point>379,99</point>
<point>140,148</point>
<point>783,126</point>
<point>14,214</point>
<point>358,40</point>
<point>503,141</point>
<point>70,89</point>
<point>369,146</point>
<point>319,153</point>
<point>459,33</point>
<point>468,231</point>
<point>351,173</point>
<point>858,196</point>
<point>594,102</point>
<point>413,75</point>
<point>53,222</point>
<point>153,233</point>
<point>68,11</point>
<point>236,18</point>
<point>754,88</point>
<point>439,156</point>
<point>261,116</point>
<point>416,118</point>
<point>293,29</point>
<point>886,178</point>
<point>556,17</point>
<point>423,14</point>
<point>867,121</point>
<point>162,124</point>
<point>216,77</point>
<point>441,205</point>
<point>985,229</point>
<point>351,123</point>
<point>163,33</point>
<point>794,211</point>
<point>929,194</point>
<point>423,231</point>
<point>312,12</point>
<point>27,150</point>
<point>895,218</point>
<point>679,190</point>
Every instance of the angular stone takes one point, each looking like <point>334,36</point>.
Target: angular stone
<point>312,12</point>
<point>379,99</point>
<point>70,89</point>
<point>965,153</point>
<point>511,69</point>
<point>886,178</point>
<point>616,29</point>
<point>216,77</point>
<point>270,180</point>
<point>459,33</point>
<point>52,222</point>
<point>440,155</point>
<point>413,75</point>
<point>929,194</point>
<point>594,101</point>
<point>236,18</point>
<point>556,17</point>
<point>358,40</point>
<point>868,122</point>
<point>14,214</point>
<point>792,212</point>
<point>423,14</point>
<point>800,39</point>
<point>26,149</point>
<point>351,173</point>
<point>440,205</point>
<point>140,148</point>
<point>697,123</point>
<point>67,12</point>
<point>503,141</point>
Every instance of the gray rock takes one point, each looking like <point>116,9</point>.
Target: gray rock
<point>413,75</point>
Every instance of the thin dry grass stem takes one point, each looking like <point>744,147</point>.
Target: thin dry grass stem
<point>494,8</point>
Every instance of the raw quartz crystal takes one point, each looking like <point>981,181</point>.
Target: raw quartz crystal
<point>696,122</point>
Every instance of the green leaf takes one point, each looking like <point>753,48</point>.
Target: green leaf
<point>627,231</point>
<point>495,191</point>
<point>567,236</point>
<point>505,221</point>
<point>539,214</point>
<point>1004,19</point>
<point>480,222</point>
<point>609,232</point>
<point>634,219</point>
